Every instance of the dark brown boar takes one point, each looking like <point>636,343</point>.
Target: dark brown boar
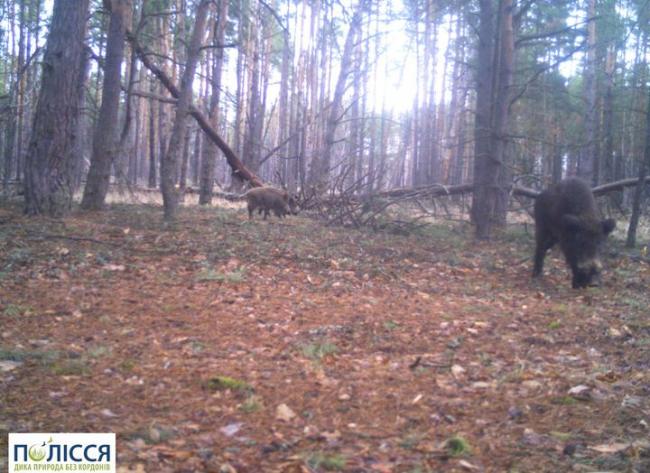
<point>566,214</point>
<point>265,199</point>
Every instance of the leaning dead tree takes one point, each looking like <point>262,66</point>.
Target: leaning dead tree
<point>231,157</point>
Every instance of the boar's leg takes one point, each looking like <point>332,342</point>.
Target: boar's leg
<point>266,213</point>
<point>251,209</point>
<point>542,244</point>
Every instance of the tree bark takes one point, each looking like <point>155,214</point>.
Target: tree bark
<point>49,159</point>
<point>496,56</point>
<point>152,178</point>
<point>501,116</point>
<point>209,153</point>
<point>484,165</point>
<point>105,141</point>
<point>587,158</point>
<point>170,159</point>
<point>637,202</point>
<point>255,115</point>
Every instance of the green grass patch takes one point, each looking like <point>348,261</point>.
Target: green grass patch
<point>236,276</point>
<point>47,356</point>
<point>564,401</point>
<point>15,310</point>
<point>410,441</point>
<point>563,436</point>
<point>326,461</point>
<point>99,351</point>
<point>19,256</point>
<point>152,435</point>
<point>316,351</point>
<point>457,446</point>
<point>391,325</point>
<point>127,365</point>
<point>223,383</point>
<point>251,405</point>
<point>70,367</point>
<point>420,469</point>
<point>556,324</point>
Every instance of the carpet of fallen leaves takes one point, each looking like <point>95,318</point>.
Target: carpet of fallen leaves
<point>219,344</point>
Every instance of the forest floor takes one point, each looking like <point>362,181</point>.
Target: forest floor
<point>219,344</point>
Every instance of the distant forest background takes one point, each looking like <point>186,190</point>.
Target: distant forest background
<point>320,96</point>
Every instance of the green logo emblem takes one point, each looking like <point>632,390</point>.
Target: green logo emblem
<point>36,452</point>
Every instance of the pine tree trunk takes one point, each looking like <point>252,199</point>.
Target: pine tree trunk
<point>170,159</point>
<point>491,176</point>
<point>322,164</point>
<point>152,179</point>
<point>639,191</point>
<point>587,158</point>
<point>501,117</point>
<point>209,153</point>
<point>50,158</point>
<point>484,175</point>
<point>21,91</point>
<point>254,115</point>
<point>105,144</point>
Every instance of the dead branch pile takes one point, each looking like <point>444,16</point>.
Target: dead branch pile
<point>355,205</point>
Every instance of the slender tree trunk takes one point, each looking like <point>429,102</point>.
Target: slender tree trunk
<point>152,180</point>
<point>321,165</point>
<point>242,33</point>
<point>637,202</point>
<point>254,116</point>
<point>557,158</point>
<point>196,157</point>
<point>21,90</point>
<point>587,158</point>
<point>170,159</point>
<point>484,165</point>
<point>105,144</point>
<point>283,113</point>
<point>501,117</point>
<point>49,159</point>
<point>163,118</point>
<point>182,181</point>
<point>10,157</point>
<point>496,56</point>
<point>209,154</point>
<point>607,151</point>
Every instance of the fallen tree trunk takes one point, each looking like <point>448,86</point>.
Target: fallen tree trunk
<point>439,190</point>
<point>233,161</point>
<point>618,185</point>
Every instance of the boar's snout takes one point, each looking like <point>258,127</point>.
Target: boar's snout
<point>292,204</point>
<point>587,274</point>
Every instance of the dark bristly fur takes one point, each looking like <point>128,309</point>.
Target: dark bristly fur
<point>566,214</point>
<point>266,199</point>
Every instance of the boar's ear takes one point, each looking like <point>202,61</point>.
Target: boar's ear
<point>608,225</point>
<point>571,222</point>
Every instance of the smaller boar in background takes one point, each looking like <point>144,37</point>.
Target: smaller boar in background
<point>566,214</point>
<point>265,199</point>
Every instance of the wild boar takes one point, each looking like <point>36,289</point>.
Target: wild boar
<point>566,214</point>
<point>265,199</point>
